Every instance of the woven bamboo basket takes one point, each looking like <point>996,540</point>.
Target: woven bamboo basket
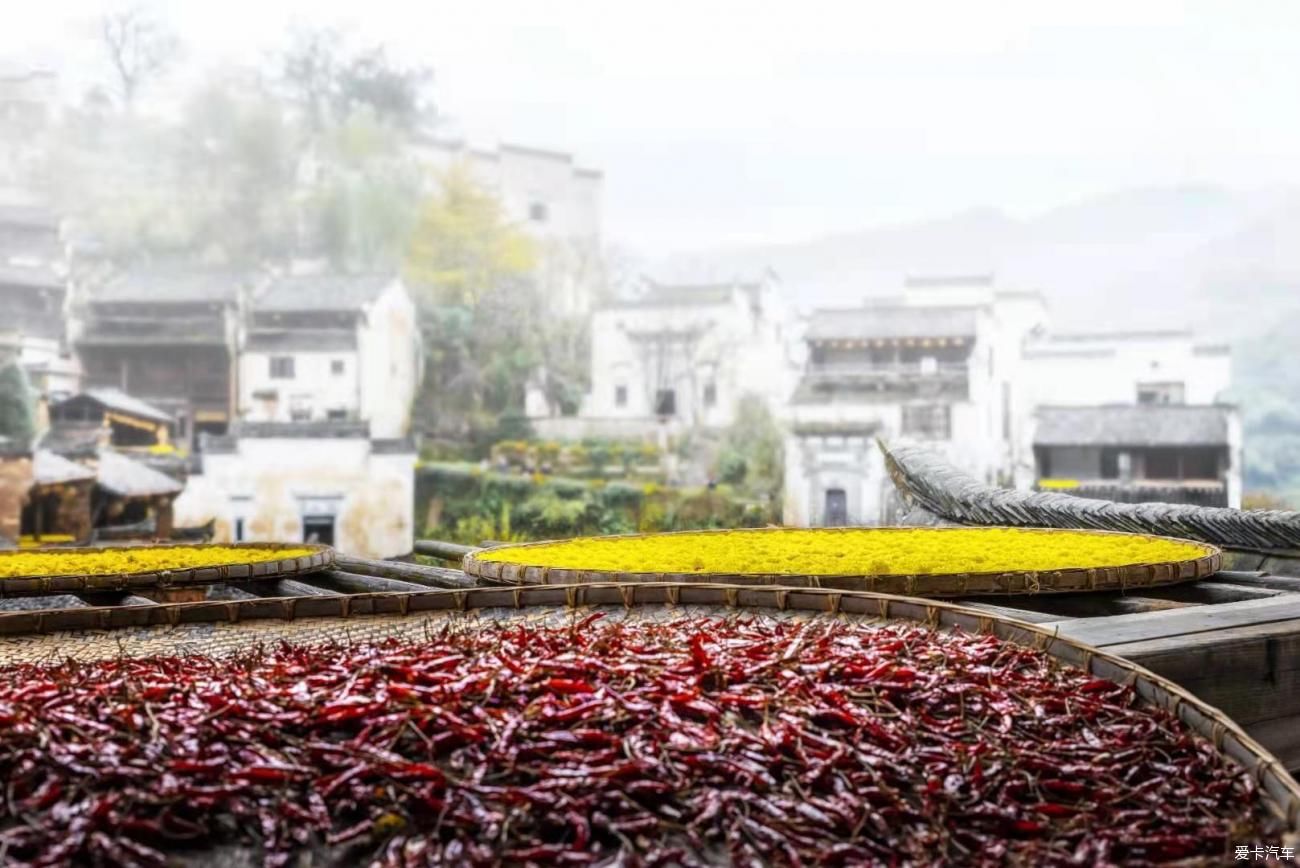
<point>321,557</point>
<point>1120,577</point>
<point>227,627</point>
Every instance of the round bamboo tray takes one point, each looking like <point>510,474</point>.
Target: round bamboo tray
<point>1120,577</point>
<point>321,557</point>
<point>229,627</point>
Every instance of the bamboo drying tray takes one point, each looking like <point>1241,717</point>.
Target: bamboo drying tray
<point>226,627</point>
<point>321,557</point>
<point>1120,577</point>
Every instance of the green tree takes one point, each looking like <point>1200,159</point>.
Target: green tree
<point>481,312</point>
<point>17,419</point>
<point>752,449</point>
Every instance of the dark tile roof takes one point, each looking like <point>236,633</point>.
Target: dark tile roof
<point>170,284</point>
<point>891,320</point>
<point>116,399</point>
<point>302,340</point>
<point>321,292</point>
<point>73,440</point>
<point>1133,425</point>
<point>125,477</point>
<point>50,468</point>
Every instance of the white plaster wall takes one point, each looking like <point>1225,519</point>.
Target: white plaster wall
<point>267,479</point>
<point>314,384</point>
<point>1061,372</point>
<point>389,344</point>
<point>740,352</point>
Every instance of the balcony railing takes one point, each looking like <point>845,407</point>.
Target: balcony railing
<point>900,376</point>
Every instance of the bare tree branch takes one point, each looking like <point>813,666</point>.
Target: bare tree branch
<point>139,48</point>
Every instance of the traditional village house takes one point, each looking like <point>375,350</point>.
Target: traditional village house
<point>1143,418</point>
<point>325,481</point>
<point>681,356</point>
<point>329,369</point>
<point>938,364</point>
<point>99,471</point>
<point>165,335</point>
<point>58,507</point>
<point>331,347</point>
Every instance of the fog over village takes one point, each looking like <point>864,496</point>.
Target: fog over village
<point>649,434</point>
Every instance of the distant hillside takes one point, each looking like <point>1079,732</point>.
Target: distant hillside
<point>1194,254</point>
<point>1223,262</point>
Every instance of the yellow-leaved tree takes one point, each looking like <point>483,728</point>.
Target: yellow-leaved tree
<point>473,274</point>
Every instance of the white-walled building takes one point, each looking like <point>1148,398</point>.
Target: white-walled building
<point>682,356</point>
<point>327,482</point>
<point>549,196</point>
<point>939,364</point>
<point>331,347</point>
<point>328,369</point>
<point>1133,416</point>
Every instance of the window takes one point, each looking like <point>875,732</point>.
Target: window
<point>710,394</point>
<point>537,212</point>
<point>927,421</point>
<point>336,415</point>
<point>318,529</point>
<point>620,396</point>
<point>336,367</point>
<point>1160,393</point>
<point>666,402</point>
<point>239,530</point>
<point>281,367</point>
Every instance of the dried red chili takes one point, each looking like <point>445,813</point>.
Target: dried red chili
<point>682,743</point>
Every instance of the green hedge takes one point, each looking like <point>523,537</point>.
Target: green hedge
<point>465,503</point>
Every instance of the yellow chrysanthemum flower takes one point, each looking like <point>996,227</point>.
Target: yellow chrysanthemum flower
<point>135,559</point>
<point>851,551</point>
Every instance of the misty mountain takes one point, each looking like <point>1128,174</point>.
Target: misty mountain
<point>1223,262</point>
<point>1219,260</point>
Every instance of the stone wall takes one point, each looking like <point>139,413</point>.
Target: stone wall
<point>15,481</point>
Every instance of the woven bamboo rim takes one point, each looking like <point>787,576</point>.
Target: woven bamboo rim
<point>1121,577</point>
<point>320,558</point>
<point>1281,790</point>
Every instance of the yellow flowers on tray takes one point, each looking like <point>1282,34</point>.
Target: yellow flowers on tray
<point>850,551</point>
<point>135,559</point>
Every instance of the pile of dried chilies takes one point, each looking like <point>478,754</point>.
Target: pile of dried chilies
<point>694,741</point>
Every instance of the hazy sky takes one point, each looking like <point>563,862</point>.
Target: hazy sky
<point>718,122</point>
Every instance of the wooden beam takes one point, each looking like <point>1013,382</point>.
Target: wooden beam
<point>354,583</point>
<point>1252,673</point>
<point>286,588</point>
<point>426,576</point>
<point>1122,629</point>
